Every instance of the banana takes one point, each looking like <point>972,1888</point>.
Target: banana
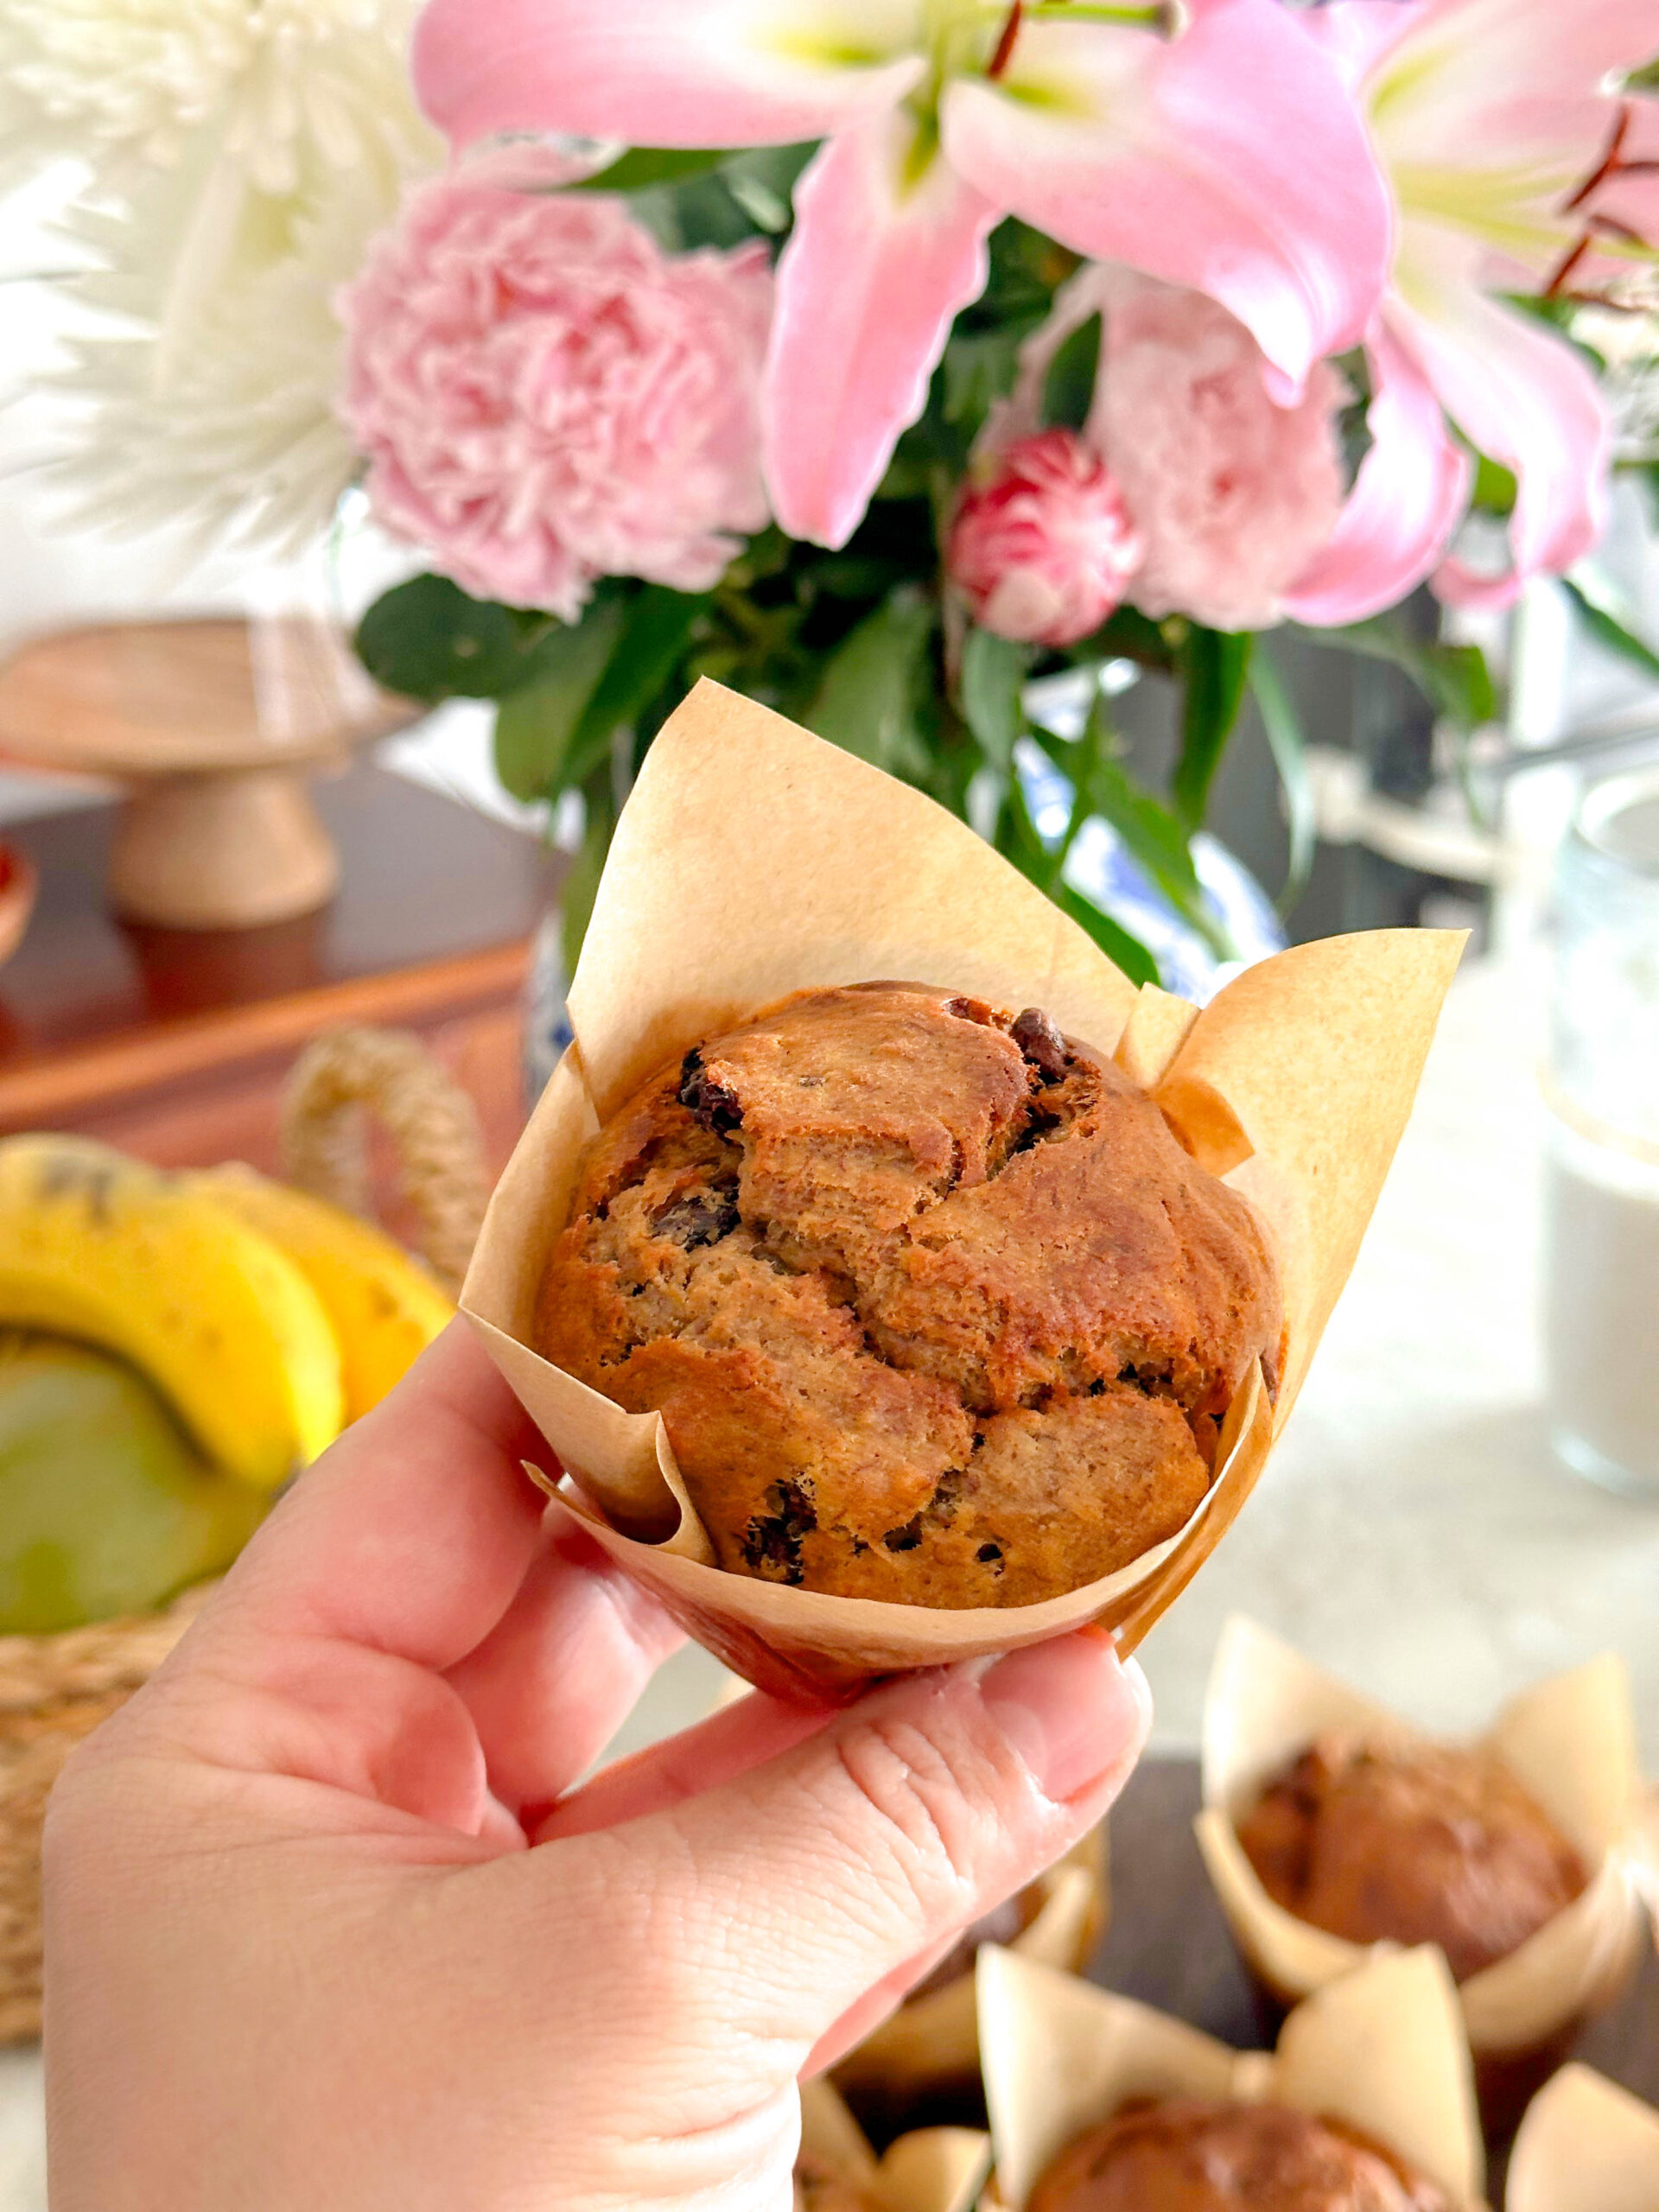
<point>100,1247</point>
<point>105,1505</point>
<point>384,1307</point>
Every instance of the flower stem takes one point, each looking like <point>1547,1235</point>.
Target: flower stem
<point>1166,16</point>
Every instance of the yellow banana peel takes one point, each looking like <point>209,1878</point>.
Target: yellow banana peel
<point>102,1248</point>
<point>385,1308</point>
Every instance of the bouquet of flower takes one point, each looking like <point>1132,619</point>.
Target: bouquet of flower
<point>880,357</point>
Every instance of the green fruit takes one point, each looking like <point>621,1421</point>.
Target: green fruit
<point>105,1506</point>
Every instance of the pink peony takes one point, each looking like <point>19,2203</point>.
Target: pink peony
<point>544,398</point>
<point>1232,494</point>
<point>1042,546</point>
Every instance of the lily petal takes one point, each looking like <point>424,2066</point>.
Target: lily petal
<point>1229,160</point>
<point>1519,394</point>
<point>663,72</point>
<point>1408,499</point>
<point>868,287</point>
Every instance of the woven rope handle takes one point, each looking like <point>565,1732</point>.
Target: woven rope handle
<point>347,1074</point>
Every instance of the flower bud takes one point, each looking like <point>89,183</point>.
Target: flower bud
<point>1042,544</point>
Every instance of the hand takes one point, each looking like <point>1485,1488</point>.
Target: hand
<point>332,1927</point>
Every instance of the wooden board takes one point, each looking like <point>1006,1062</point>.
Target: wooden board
<point>1169,1946</point>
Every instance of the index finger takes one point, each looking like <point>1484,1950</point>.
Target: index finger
<point>412,1533</point>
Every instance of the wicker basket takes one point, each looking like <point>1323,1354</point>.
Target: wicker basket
<point>56,1689</point>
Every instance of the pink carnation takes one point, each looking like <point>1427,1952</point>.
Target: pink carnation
<point>544,398</point>
<point>1232,494</point>
<point>1042,546</point>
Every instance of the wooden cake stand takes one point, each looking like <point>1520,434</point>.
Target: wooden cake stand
<point>212,726</point>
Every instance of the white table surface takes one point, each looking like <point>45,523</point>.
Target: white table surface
<point>1412,1531</point>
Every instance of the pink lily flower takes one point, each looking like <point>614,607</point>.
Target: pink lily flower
<point>1513,158</point>
<point>1224,157</point>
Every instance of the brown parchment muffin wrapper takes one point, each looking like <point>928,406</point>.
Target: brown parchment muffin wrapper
<point>1570,1741</point>
<point>932,2043</point>
<point>1383,2051</point>
<point>752,861</point>
<point>932,2170</point>
<point>1585,2146</point>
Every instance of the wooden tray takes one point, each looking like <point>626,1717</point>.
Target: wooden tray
<point>1169,1946</point>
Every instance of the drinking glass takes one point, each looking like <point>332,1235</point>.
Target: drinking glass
<point>1601,1242</point>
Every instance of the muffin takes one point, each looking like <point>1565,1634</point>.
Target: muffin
<point>1188,2155</point>
<point>1412,1844</point>
<point>819,2189</point>
<point>935,1307</point>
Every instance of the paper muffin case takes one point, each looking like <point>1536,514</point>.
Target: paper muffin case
<point>1571,1741</point>
<point>931,2044</point>
<point>932,2169</point>
<point>752,861</point>
<point>1585,2146</point>
<point>1382,2051</point>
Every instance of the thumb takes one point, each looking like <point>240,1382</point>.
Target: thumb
<point>805,1883</point>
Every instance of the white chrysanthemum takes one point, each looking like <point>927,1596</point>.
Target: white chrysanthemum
<point>220,413</point>
<point>239,156</point>
<point>120,81</point>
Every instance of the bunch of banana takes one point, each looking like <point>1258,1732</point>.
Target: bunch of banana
<point>248,1323</point>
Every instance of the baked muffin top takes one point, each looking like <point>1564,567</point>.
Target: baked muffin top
<point>1416,1844</point>
<point>934,1305</point>
<point>818,2188</point>
<point>1189,2155</point>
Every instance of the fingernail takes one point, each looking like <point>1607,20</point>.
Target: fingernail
<point>1072,1709</point>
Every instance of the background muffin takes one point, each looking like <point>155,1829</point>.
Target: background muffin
<point>818,2188</point>
<point>934,1305</point>
<point>1188,2154</point>
<point>1416,1844</point>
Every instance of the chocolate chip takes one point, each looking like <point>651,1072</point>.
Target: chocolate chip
<point>1037,1126</point>
<point>709,1102</point>
<point>771,1543</point>
<point>1040,1042</point>
<point>988,1554</point>
<point>698,1218</point>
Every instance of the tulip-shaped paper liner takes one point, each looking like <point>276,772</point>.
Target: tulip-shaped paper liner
<point>932,2169</point>
<point>1382,2052</point>
<point>932,2042</point>
<point>752,861</point>
<point>1585,2146</point>
<point>1570,1742</point>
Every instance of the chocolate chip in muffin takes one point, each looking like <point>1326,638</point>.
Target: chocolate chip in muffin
<point>708,1103</point>
<point>1040,1043</point>
<point>934,1307</point>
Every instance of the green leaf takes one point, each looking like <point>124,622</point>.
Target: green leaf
<point>867,697</point>
<point>1126,952</point>
<point>534,725</point>
<point>642,167</point>
<point>1215,665</point>
<point>1602,609</point>
<point>1289,746</point>
<point>978,367</point>
<point>659,628</point>
<point>990,688</point>
<point>581,882</point>
<point>1068,387</point>
<point>428,640</point>
<point>1454,679</point>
